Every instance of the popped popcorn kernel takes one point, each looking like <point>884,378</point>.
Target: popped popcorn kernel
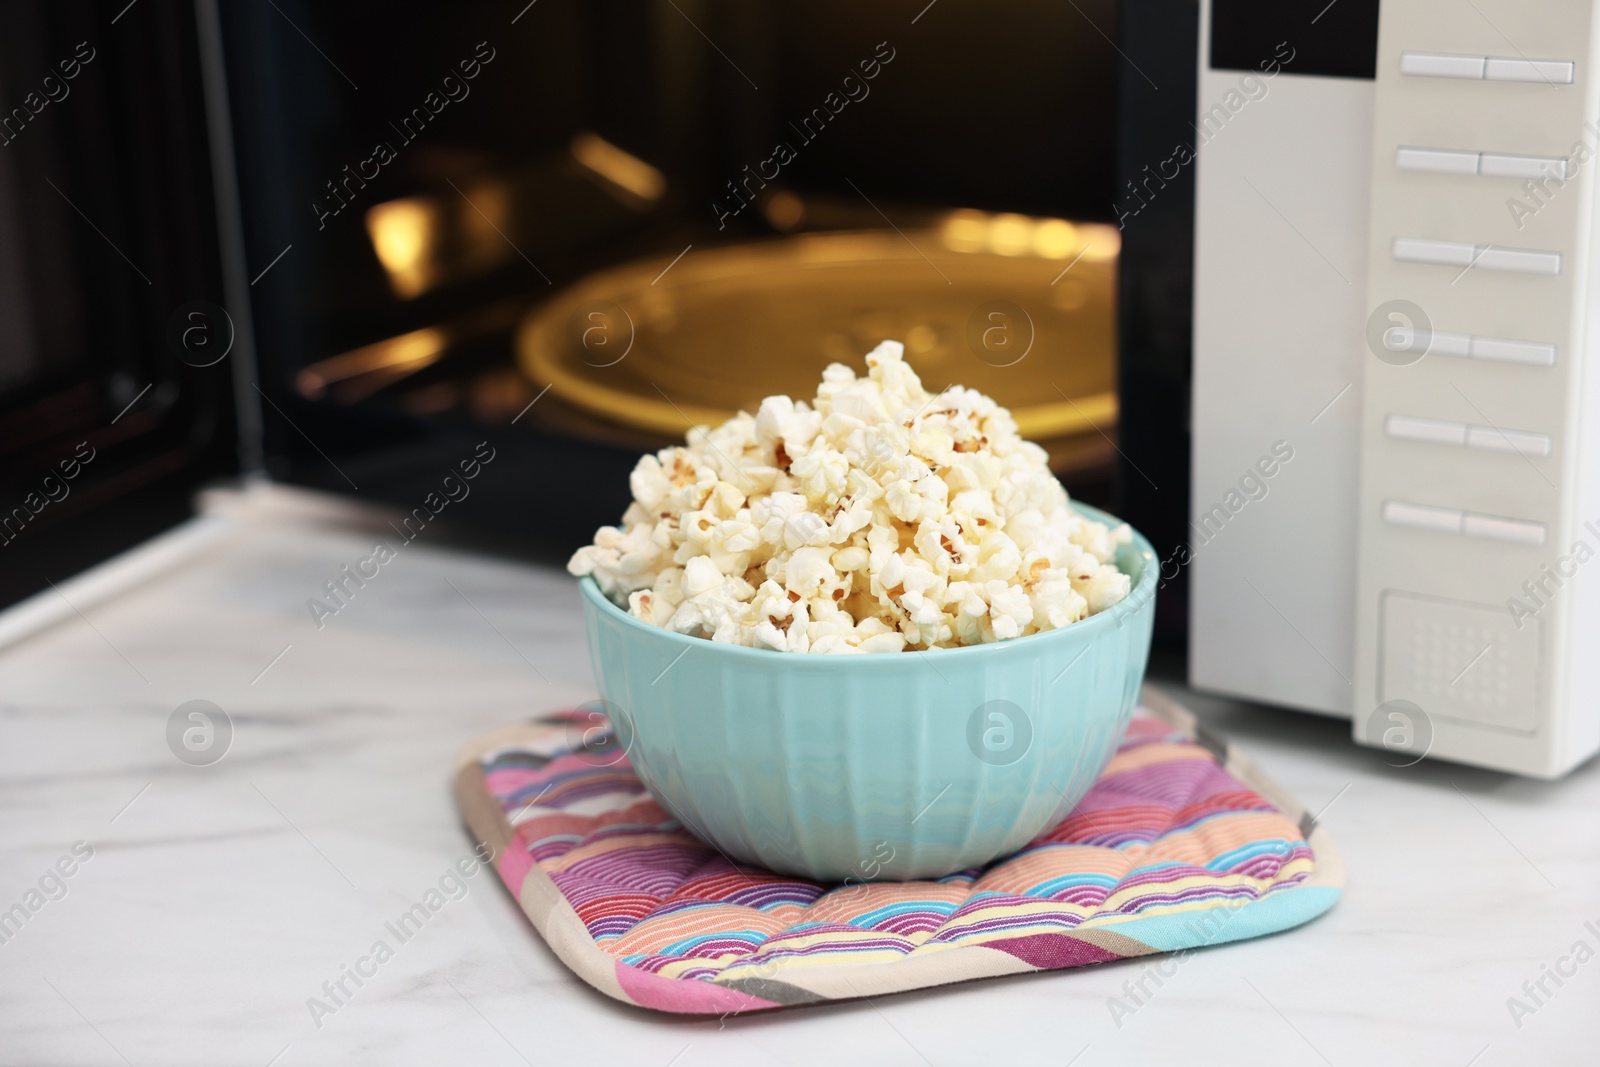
<point>874,518</point>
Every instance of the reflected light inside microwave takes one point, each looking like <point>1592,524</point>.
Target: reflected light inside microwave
<point>404,233</point>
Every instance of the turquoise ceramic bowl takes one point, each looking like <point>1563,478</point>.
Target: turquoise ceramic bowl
<point>887,766</point>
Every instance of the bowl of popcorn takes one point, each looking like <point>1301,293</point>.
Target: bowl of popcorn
<point>865,636</point>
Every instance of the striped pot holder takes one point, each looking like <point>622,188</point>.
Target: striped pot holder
<point>1181,843</point>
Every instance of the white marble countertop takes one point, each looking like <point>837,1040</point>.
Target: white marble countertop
<point>219,898</point>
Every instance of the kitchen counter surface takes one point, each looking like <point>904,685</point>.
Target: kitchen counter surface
<point>218,899</point>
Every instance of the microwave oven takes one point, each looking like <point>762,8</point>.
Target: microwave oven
<point>1394,402</point>
<point>1345,455</point>
<point>344,245</point>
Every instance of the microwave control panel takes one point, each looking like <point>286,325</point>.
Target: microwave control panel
<point>1478,509</point>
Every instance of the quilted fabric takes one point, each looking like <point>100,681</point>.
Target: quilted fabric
<point>1169,850</point>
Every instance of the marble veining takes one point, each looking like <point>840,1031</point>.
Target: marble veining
<point>220,898</point>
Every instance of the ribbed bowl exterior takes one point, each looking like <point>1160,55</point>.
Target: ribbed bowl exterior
<point>887,766</point>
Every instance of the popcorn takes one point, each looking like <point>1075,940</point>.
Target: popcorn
<point>875,518</point>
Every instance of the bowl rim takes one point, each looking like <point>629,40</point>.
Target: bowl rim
<point>1094,626</point>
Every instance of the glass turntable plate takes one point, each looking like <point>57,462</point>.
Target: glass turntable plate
<point>665,344</point>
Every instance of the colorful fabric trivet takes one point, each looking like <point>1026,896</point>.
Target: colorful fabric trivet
<point>1181,843</point>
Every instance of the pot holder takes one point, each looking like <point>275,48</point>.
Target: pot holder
<point>1182,842</point>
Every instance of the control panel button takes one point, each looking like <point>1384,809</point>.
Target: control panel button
<point>1441,65</point>
<point>1461,254</point>
<point>1432,431</point>
<point>1487,164</point>
<point>1443,253</point>
<point>1436,160</point>
<point>1519,260</point>
<point>1465,346</point>
<point>1554,72</point>
<point>1421,516</point>
<point>1441,343</point>
<point>1505,165</point>
<point>1532,353</point>
<point>1488,438</point>
<point>1526,442</point>
<point>1517,531</point>
<point>1405,339</point>
<point>1449,520</point>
